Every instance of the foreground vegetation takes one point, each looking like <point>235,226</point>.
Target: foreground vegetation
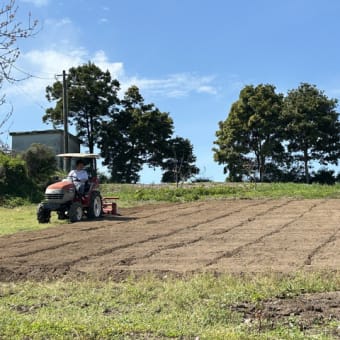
<point>198,306</point>
<point>157,308</point>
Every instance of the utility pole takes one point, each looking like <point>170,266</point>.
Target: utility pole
<point>65,119</point>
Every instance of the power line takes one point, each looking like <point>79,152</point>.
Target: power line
<point>30,75</point>
<point>30,97</point>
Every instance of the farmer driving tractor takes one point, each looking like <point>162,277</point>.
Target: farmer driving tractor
<point>77,195</point>
<point>70,197</point>
<point>79,176</point>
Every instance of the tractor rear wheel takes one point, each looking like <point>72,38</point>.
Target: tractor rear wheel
<point>95,207</point>
<point>75,212</point>
<point>43,214</point>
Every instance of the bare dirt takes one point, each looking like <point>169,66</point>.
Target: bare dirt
<point>225,236</point>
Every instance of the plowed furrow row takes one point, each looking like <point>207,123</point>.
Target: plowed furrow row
<point>223,236</point>
<point>22,239</point>
<point>315,251</point>
<point>187,242</point>
<point>156,237</point>
<point>174,209</point>
<point>87,256</point>
<point>237,250</point>
<point>75,235</point>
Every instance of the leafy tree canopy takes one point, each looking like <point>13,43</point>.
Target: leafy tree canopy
<point>311,126</point>
<point>179,164</point>
<point>136,133</point>
<point>91,95</point>
<point>250,136</point>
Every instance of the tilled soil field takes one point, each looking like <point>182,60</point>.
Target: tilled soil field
<point>226,236</point>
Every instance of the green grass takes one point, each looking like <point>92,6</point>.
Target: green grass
<point>198,306</point>
<point>22,218</point>
<point>133,194</point>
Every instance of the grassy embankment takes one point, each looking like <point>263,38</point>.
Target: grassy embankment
<point>141,194</point>
<point>154,308</point>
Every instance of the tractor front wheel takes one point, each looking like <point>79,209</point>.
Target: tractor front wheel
<point>75,212</point>
<point>95,207</point>
<point>43,214</point>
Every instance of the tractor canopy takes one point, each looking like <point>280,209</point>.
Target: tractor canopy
<point>89,160</point>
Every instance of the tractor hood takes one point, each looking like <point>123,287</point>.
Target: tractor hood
<point>63,185</point>
<point>60,192</point>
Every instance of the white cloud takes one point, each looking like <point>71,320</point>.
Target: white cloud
<point>38,3</point>
<point>207,89</point>
<point>116,68</point>
<point>52,61</point>
<point>44,65</point>
<point>176,85</point>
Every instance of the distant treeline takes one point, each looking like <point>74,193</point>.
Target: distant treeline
<point>269,137</point>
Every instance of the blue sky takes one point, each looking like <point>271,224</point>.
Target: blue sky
<point>189,57</point>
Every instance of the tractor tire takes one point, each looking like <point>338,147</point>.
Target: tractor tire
<point>43,214</point>
<point>75,213</point>
<point>95,208</point>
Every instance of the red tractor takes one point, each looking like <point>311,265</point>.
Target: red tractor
<point>64,198</point>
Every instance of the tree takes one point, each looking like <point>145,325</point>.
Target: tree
<point>41,163</point>
<point>91,95</point>
<point>136,134</point>
<point>250,137</point>
<point>324,176</point>
<point>14,180</point>
<point>179,163</point>
<point>312,128</point>
<point>11,31</point>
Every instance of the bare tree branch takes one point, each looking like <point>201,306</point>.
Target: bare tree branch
<point>11,30</point>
